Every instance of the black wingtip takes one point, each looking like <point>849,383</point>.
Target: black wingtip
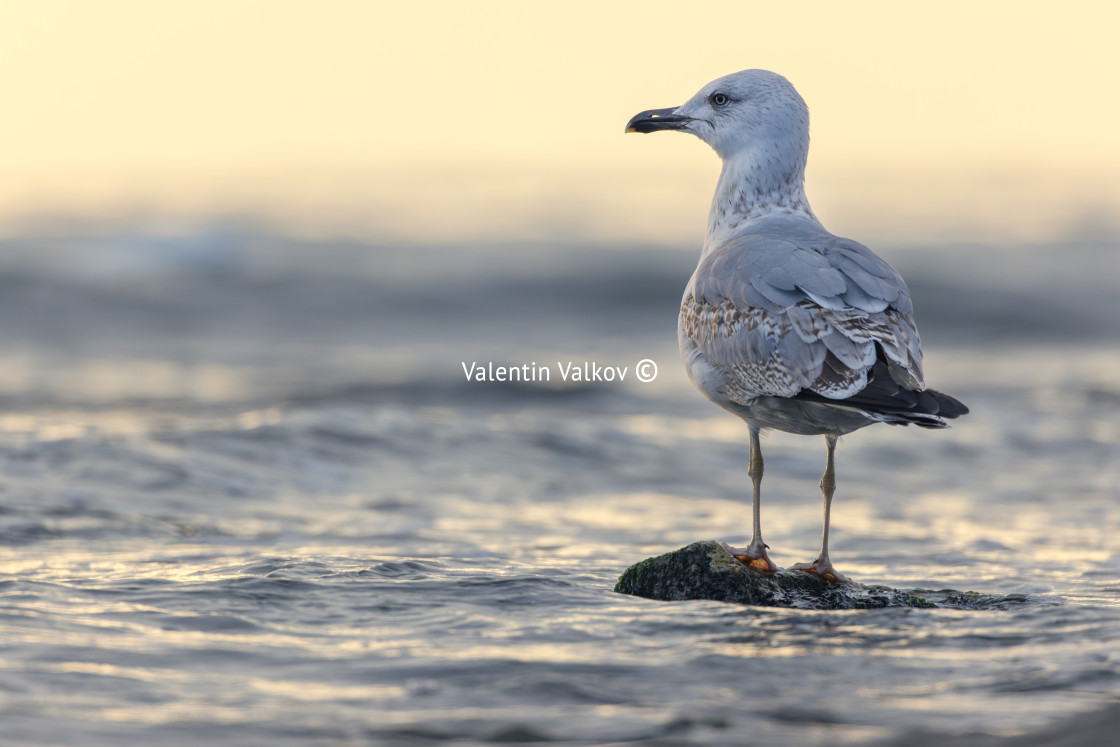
<point>947,407</point>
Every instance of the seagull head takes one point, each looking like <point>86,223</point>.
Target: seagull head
<point>755,115</point>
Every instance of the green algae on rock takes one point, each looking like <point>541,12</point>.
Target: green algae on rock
<point>706,570</point>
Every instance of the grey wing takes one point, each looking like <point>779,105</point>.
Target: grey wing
<point>777,316</point>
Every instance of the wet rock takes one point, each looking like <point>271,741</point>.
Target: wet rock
<point>706,570</point>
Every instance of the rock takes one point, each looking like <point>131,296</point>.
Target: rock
<point>706,570</point>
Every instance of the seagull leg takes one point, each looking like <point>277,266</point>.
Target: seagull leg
<point>754,556</point>
<point>822,566</point>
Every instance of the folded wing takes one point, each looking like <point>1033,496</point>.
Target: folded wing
<point>812,314</point>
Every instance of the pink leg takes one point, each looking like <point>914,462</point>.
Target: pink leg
<point>754,556</point>
<point>822,566</point>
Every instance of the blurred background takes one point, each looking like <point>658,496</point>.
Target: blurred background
<point>212,177</point>
<point>247,495</point>
<point>493,119</point>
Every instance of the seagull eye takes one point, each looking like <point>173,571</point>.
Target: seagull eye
<point>720,99</point>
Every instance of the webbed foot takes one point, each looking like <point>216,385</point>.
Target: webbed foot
<point>822,567</point>
<point>753,556</point>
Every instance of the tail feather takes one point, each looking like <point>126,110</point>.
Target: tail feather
<point>885,401</point>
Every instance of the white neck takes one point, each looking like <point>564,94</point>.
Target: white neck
<point>750,188</point>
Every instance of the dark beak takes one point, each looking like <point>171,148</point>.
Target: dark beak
<point>657,119</point>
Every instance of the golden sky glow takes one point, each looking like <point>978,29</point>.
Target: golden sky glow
<point>360,113</point>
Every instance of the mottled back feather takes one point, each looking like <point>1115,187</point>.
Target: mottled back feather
<point>786,307</point>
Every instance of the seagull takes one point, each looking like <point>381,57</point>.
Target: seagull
<point>783,323</point>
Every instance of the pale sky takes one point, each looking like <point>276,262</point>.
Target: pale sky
<point>439,119</point>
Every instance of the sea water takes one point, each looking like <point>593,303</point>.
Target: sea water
<point>247,496</point>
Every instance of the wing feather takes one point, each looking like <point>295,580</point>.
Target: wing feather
<point>780,315</point>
